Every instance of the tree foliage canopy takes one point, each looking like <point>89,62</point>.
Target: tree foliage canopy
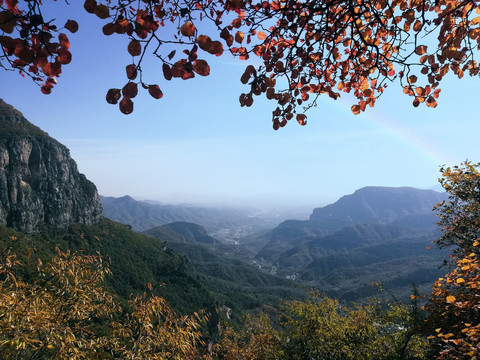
<point>304,48</point>
<point>454,306</point>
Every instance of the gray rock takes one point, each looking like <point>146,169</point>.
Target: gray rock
<point>39,182</point>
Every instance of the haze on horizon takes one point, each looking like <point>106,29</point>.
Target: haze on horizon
<point>197,145</point>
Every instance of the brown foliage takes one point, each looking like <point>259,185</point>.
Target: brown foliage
<point>316,47</point>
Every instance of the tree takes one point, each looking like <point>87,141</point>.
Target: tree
<point>460,215</point>
<point>63,312</point>
<point>321,328</point>
<point>454,306</point>
<point>56,315</point>
<point>306,48</point>
<point>454,309</point>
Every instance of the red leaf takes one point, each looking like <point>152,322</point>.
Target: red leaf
<point>356,109</point>
<point>113,95</point>
<point>216,48</point>
<point>134,48</point>
<point>46,89</point>
<point>64,56</point>
<point>126,106</point>
<point>7,21</point>
<point>102,11</point>
<point>131,71</point>
<point>90,6</point>
<point>72,26</point>
<point>109,29</point>
<point>155,91</point>
<point>130,90</point>
<point>201,67</point>
<point>301,119</point>
<point>64,42</point>
<point>167,72</point>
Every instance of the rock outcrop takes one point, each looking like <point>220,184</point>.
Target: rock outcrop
<point>39,182</point>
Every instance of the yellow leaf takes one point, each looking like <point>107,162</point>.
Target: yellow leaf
<point>450,299</point>
<point>460,281</point>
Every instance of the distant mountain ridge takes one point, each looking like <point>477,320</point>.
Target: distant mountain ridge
<point>375,204</point>
<point>375,233</point>
<point>143,215</point>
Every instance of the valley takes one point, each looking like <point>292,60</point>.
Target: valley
<point>375,242</point>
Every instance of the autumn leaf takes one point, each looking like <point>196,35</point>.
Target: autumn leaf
<point>420,50</point>
<point>131,71</point>
<point>113,95</point>
<point>126,106</point>
<point>239,37</point>
<point>261,35</point>
<point>155,91</point>
<point>102,11</point>
<point>167,72</point>
<point>201,67</point>
<point>90,6</point>
<point>188,29</point>
<point>134,48</point>
<point>72,26</point>
<point>130,90</point>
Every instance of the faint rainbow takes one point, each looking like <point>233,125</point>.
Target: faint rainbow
<point>392,126</point>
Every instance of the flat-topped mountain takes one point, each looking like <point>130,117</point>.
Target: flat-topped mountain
<point>376,204</point>
<point>40,184</point>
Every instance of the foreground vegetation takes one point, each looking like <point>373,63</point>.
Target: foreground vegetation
<point>66,308</point>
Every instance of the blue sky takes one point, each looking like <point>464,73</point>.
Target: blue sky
<point>197,144</point>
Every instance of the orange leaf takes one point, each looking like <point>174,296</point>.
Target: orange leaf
<point>204,42</point>
<point>188,29</point>
<point>356,109</point>
<point>239,37</point>
<point>261,35</point>
<point>301,118</point>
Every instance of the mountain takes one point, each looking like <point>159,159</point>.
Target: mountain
<point>376,205</point>
<point>40,184</point>
<point>224,222</point>
<point>373,204</point>
<point>377,234</point>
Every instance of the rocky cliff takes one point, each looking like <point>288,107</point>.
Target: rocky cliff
<point>39,182</point>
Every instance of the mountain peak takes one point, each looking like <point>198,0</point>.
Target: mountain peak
<point>13,123</point>
<point>39,181</point>
<point>378,204</point>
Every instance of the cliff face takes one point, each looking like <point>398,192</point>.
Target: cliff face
<point>39,181</point>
